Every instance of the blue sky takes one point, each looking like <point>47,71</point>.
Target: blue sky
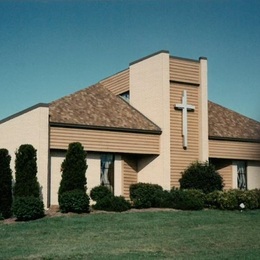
<point>49,49</point>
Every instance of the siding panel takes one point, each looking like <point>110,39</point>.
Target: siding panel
<point>118,83</point>
<point>184,71</point>
<point>105,141</point>
<point>234,150</point>
<point>181,158</point>
<point>129,174</point>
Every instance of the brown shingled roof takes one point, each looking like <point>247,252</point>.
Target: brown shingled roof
<point>96,106</point>
<point>225,123</point>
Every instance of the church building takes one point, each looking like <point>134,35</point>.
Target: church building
<point>146,123</point>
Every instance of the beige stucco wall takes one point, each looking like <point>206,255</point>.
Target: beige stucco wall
<point>149,93</point>
<point>92,173</point>
<point>56,160</point>
<point>253,175</point>
<point>203,111</point>
<point>29,127</point>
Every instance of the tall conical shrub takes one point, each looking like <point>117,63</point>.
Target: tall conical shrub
<point>72,191</point>
<point>26,183</point>
<point>5,184</point>
<point>74,169</point>
<point>27,202</point>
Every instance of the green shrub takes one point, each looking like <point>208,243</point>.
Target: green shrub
<point>257,193</point>
<point>188,199</point>
<point>165,199</point>
<point>5,184</point>
<point>146,195</point>
<point>112,203</point>
<point>201,176</point>
<point>74,169</point>
<point>212,199</point>
<point>26,183</point>
<point>74,201</point>
<point>248,198</point>
<point>28,208</point>
<point>228,200</point>
<point>99,192</point>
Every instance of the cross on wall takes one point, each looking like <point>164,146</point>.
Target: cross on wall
<point>185,108</point>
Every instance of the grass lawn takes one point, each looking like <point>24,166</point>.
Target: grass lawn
<point>209,234</point>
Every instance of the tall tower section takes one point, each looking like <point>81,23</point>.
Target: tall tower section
<point>165,88</point>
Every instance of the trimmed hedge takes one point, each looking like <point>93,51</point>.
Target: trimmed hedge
<point>28,208</point>
<point>201,176</point>
<point>105,200</point>
<point>190,199</point>
<point>146,195</point>
<point>100,192</point>
<point>74,201</point>
<point>6,197</point>
<point>233,199</point>
<point>112,203</point>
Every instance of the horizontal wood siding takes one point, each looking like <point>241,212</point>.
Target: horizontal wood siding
<point>181,158</point>
<point>118,83</point>
<point>129,174</point>
<point>184,71</point>
<point>224,168</point>
<point>105,141</point>
<point>234,150</point>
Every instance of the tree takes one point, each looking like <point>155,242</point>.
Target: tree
<point>27,202</point>
<point>202,176</point>
<point>74,169</point>
<point>5,184</point>
<point>72,191</point>
<point>26,183</point>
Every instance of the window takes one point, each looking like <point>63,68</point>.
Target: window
<point>107,171</point>
<point>241,175</point>
<point>125,96</point>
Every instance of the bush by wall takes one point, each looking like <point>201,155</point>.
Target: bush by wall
<point>73,169</point>
<point>189,199</point>
<point>5,184</point>
<point>99,192</point>
<point>26,183</point>
<point>73,181</point>
<point>27,203</point>
<point>105,200</point>
<point>112,203</point>
<point>28,208</point>
<point>212,199</point>
<point>74,201</point>
<point>146,195</point>
<point>201,176</point>
<point>233,199</point>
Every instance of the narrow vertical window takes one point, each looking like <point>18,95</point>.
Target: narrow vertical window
<point>107,171</point>
<point>241,175</point>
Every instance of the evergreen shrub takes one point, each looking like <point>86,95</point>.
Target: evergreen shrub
<point>146,195</point>
<point>189,199</point>
<point>212,199</point>
<point>26,183</point>
<point>74,201</point>
<point>99,192</point>
<point>28,208</point>
<point>228,200</point>
<point>112,203</point>
<point>73,169</point>
<point>257,193</point>
<point>201,176</point>
<point>248,198</point>
<point>5,184</point>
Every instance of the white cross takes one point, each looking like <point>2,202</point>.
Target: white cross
<point>185,108</point>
